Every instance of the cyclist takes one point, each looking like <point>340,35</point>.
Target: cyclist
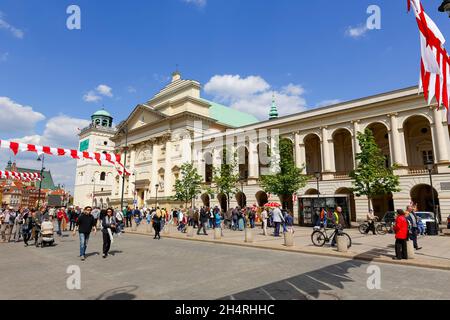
<point>371,218</point>
<point>338,221</point>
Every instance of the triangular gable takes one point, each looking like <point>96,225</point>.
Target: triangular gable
<point>143,115</point>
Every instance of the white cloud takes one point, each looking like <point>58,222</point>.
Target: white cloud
<point>104,90</point>
<point>254,95</point>
<point>326,103</point>
<point>17,118</point>
<point>198,3</point>
<point>91,96</point>
<point>4,56</point>
<point>96,95</point>
<point>356,32</point>
<point>13,30</point>
<point>62,131</point>
<point>131,89</point>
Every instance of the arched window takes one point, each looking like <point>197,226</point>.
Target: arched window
<point>105,123</point>
<point>103,176</point>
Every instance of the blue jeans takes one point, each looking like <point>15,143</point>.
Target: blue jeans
<point>59,228</point>
<point>277,229</point>
<point>84,239</point>
<point>252,223</point>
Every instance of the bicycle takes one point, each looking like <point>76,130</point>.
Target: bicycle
<point>320,237</point>
<point>381,228</point>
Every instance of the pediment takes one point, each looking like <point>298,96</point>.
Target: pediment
<point>142,116</point>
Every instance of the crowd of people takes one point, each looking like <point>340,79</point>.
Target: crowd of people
<point>25,224</point>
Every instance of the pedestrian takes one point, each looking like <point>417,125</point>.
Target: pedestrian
<point>413,223</point>
<point>401,236</point>
<point>128,216</point>
<point>157,224</point>
<point>264,217</point>
<point>96,214</point>
<point>59,218</point>
<point>36,223</point>
<point>119,219</point>
<point>371,218</point>
<point>18,222</point>
<point>84,226</point>
<point>175,216</point>
<point>251,217</point>
<point>73,217</point>
<point>338,221</point>
<point>65,220</point>
<point>204,217</point>
<point>277,219</point>
<point>109,225</point>
<point>7,224</point>
<point>289,222</point>
<point>27,226</point>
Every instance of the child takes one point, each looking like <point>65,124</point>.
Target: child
<point>420,226</point>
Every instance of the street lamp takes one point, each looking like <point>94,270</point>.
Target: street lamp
<point>430,167</point>
<point>93,191</point>
<point>318,176</point>
<point>156,198</point>
<point>242,181</point>
<point>125,131</point>
<point>445,7</point>
<point>41,158</point>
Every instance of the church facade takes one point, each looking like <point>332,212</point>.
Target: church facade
<point>177,125</point>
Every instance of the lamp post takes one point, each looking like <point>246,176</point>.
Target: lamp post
<point>156,198</point>
<point>445,7</point>
<point>242,181</point>
<point>430,167</point>
<point>41,158</point>
<point>93,191</point>
<point>318,175</point>
<point>125,131</point>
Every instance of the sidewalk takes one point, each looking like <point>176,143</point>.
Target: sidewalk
<point>435,253</point>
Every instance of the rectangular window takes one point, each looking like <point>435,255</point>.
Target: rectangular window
<point>427,156</point>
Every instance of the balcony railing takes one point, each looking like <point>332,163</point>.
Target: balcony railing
<point>419,170</point>
<point>341,175</point>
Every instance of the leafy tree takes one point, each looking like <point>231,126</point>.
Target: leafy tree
<point>189,186</point>
<point>372,177</point>
<point>289,178</point>
<point>226,177</point>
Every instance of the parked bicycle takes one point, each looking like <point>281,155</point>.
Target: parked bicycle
<point>381,228</point>
<point>320,237</point>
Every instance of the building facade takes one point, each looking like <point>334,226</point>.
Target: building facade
<point>178,126</point>
<point>93,184</point>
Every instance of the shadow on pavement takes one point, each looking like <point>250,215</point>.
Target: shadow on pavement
<point>314,285</point>
<point>123,293</point>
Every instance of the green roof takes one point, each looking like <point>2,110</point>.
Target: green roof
<point>47,182</point>
<point>102,112</point>
<point>229,116</point>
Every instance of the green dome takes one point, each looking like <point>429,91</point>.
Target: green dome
<point>103,113</point>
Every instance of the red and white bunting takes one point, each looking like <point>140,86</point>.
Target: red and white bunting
<point>23,176</point>
<point>100,158</point>
<point>435,62</point>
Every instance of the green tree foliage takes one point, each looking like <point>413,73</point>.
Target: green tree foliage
<point>289,178</point>
<point>189,186</point>
<point>372,177</point>
<point>226,177</point>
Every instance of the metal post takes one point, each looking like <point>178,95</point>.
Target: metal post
<point>40,182</point>
<point>432,195</point>
<point>156,198</point>
<point>93,192</point>
<point>124,166</point>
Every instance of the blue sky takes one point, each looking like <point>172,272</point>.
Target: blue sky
<point>243,51</point>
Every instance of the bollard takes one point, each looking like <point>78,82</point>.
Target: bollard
<point>217,233</point>
<point>166,230</point>
<point>288,239</point>
<point>133,227</point>
<point>190,231</point>
<point>342,245</point>
<point>248,235</point>
<point>410,250</point>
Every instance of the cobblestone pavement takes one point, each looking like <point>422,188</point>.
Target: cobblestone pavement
<point>435,251</point>
<point>143,268</point>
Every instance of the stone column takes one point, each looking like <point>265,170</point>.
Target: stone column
<point>168,183</point>
<point>186,148</point>
<point>300,154</point>
<point>253,159</point>
<point>398,143</point>
<point>326,157</point>
<point>154,180</point>
<point>440,136</point>
<point>131,185</point>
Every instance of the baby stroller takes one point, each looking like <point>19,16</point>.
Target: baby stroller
<point>45,235</point>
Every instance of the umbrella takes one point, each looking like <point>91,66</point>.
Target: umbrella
<point>272,205</point>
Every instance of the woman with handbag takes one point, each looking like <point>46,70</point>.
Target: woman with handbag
<point>109,226</point>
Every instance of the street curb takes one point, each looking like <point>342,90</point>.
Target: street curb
<point>362,257</point>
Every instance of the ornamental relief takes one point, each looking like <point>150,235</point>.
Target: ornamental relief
<point>144,155</point>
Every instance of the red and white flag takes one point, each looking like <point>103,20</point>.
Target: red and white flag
<point>435,61</point>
